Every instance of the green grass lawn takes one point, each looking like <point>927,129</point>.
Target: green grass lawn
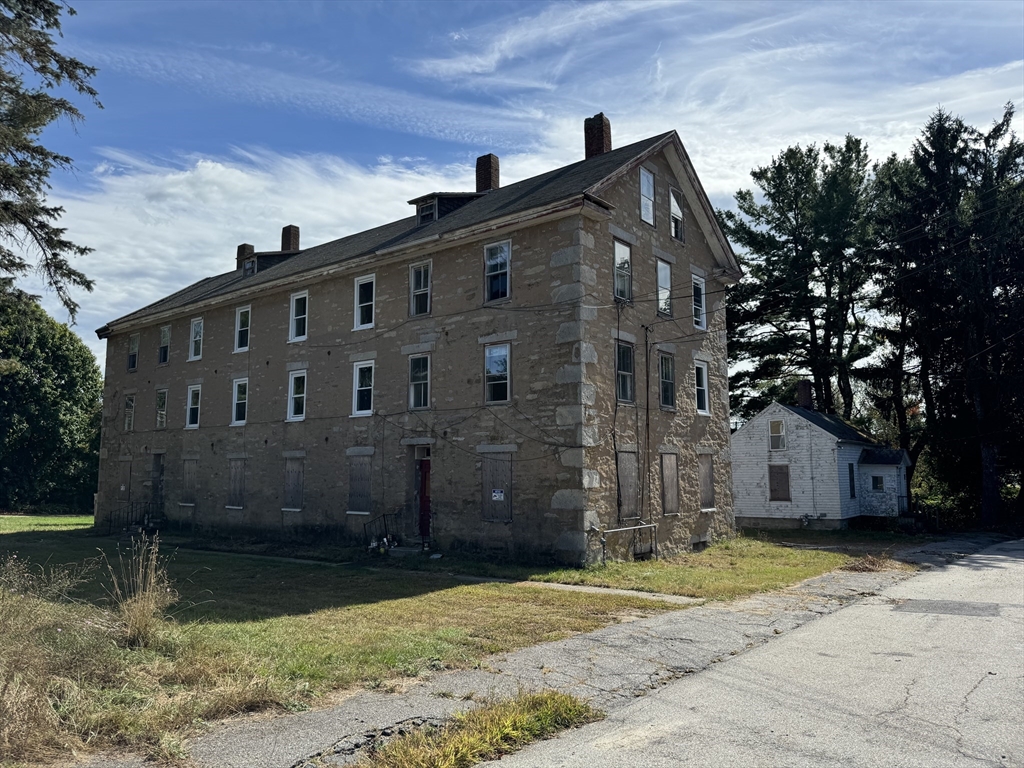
<point>250,632</point>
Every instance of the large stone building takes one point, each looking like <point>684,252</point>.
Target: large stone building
<point>517,368</point>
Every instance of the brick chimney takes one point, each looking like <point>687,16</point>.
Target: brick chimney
<point>290,238</point>
<point>597,135</point>
<point>245,251</point>
<point>487,173</point>
<point>803,395</point>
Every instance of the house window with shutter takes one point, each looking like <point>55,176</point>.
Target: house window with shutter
<point>236,483</point>
<point>778,482</point>
<point>293,479</point>
<point>629,487</point>
<point>359,484</point>
<point>706,481</point>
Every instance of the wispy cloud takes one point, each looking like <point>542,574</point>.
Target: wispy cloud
<point>218,76</point>
<point>157,226</point>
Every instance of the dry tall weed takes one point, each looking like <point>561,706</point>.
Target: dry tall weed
<point>141,592</point>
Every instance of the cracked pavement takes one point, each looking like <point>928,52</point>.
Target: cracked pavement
<point>941,684</point>
<point>648,675</point>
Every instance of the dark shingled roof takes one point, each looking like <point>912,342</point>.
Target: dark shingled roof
<point>881,456</point>
<point>548,188</point>
<point>832,424</point>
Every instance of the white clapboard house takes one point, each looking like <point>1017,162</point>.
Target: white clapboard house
<point>794,466</point>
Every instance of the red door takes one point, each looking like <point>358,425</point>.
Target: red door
<point>424,494</point>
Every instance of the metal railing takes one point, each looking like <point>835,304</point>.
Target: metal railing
<point>144,514</point>
<point>385,526</point>
<point>604,538</point>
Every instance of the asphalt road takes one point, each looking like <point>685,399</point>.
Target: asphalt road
<point>930,672</point>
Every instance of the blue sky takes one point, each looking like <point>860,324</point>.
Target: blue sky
<point>224,121</point>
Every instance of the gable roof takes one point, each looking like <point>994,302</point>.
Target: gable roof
<point>578,181</point>
<point>832,424</point>
<point>882,456</point>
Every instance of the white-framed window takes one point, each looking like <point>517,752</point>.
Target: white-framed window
<point>161,409</point>
<point>195,348</point>
<point>623,272</point>
<point>239,402</point>
<point>646,196</point>
<point>195,393</point>
<point>497,375</point>
<point>664,288</point>
<point>129,413</point>
<point>298,316</point>
<point>678,222</point>
<point>700,375</point>
<point>776,435</point>
<point>496,270</point>
<point>419,289</point>
<point>700,319</point>
<point>362,388</point>
<point>243,316</point>
<point>877,482</point>
<point>426,211</point>
<point>419,381</point>
<point>296,396</point>
<point>133,352</point>
<point>667,377</point>
<point>365,288</point>
<point>624,373</point>
<point>163,352</point>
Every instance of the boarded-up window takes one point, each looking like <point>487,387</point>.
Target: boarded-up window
<point>124,488</point>
<point>293,475</point>
<point>706,480</point>
<point>629,506</point>
<point>669,484</point>
<point>359,484</point>
<point>852,472</point>
<point>189,468</point>
<point>496,471</point>
<point>156,477</point>
<point>778,482</point>
<point>236,483</point>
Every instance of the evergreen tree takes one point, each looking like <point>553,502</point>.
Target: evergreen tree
<point>798,311</point>
<point>32,71</point>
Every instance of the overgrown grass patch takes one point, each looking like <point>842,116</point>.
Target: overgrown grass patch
<point>248,633</point>
<point>727,569</point>
<point>485,733</point>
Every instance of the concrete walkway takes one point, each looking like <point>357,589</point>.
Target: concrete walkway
<point>610,667</point>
